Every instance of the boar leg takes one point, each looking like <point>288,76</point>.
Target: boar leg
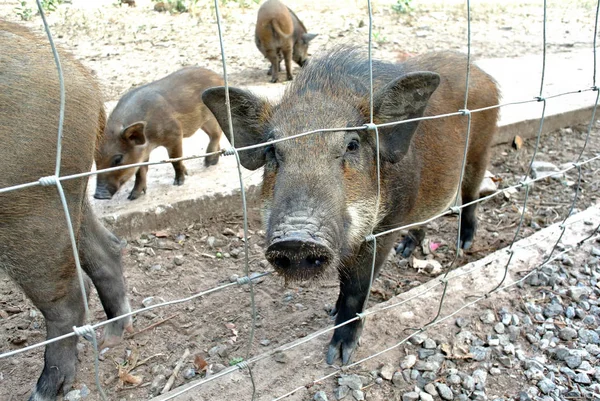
<point>176,151</point>
<point>101,260</point>
<point>139,188</point>
<point>354,287</point>
<point>410,242</point>
<point>213,130</point>
<point>474,173</point>
<point>287,53</point>
<point>274,59</point>
<point>61,314</point>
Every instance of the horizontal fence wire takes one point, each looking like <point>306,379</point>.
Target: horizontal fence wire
<point>526,183</point>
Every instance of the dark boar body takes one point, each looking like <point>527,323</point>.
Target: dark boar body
<point>280,35</point>
<point>35,249</point>
<point>160,113</point>
<point>320,191</point>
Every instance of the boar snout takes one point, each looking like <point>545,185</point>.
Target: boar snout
<point>105,191</point>
<point>299,255</point>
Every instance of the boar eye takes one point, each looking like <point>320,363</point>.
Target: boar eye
<point>352,146</point>
<point>116,160</point>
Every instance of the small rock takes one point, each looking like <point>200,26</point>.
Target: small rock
<point>189,373</point>
<point>573,361</point>
<point>429,344</point>
<point>341,392</point>
<point>158,383</point>
<point>578,294</point>
<point>358,395</point>
<point>84,391</point>
<point>595,251</point>
<point>387,371</point>
<point>425,396</point>
<point>430,389</point>
<point>412,396</point>
<point>408,362</point>
<point>427,366</point>
<point>570,312</point>
<point>220,350</point>
<point>352,381</point>
<point>480,377</point>
<point>320,396</point>
<point>546,386</point>
<point>398,379</point>
<point>479,353</point>
<point>499,328</point>
<point>468,383</point>
<point>540,169</point>
<point>462,322</point>
<point>445,392</point>
<point>495,371</point>
<point>418,339</point>
<point>582,378</point>
<point>217,367</point>
<point>453,379</point>
<point>73,395</point>
<point>488,317</point>
<point>178,260</point>
<point>567,334</point>
<point>155,268</point>
<point>553,310</point>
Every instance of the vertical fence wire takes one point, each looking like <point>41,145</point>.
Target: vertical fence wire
<point>243,364</point>
<point>53,180</point>
<point>465,111</point>
<point>526,181</point>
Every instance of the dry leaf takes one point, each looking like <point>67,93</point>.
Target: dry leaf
<point>161,234</point>
<point>199,363</point>
<point>517,142</point>
<point>127,377</point>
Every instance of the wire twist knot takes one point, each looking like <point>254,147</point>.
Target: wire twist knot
<point>540,98</point>
<point>47,181</point>
<point>243,365</point>
<point>465,112</point>
<point>229,152</point>
<point>371,126</point>
<point>85,331</point>
<point>455,209</point>
<point>370,238</point>
<point>243,280</point>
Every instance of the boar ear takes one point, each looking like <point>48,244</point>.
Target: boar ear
<point>134,133</point>
<point>402,99</point>
<point>307,37</point>
<point>247,115</point>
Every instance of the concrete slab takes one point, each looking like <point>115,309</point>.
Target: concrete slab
<point>207,192</point>
<point>413,309</point>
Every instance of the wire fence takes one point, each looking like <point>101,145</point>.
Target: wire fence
<point>88,330</point>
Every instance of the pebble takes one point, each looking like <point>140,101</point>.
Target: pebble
<point>453,379</point>
<point>358,395</point>
<point>265,342</point>
<point>567,334</point>
<point>546,386</point>
<point>408,362</point>
<point>499,328</point>
<point>468,383</point>
<point>398,379</point>
<point>488,317</point>
<point>582,378</point>
<point>430,389</point>
<point>480,377</point>
<point>73,395</point>
<point>418,339</point>
<point>427,366</point>
<point>425,396</point>
<point>411,396</point>
<point>444,391</point>
<point>157,384</point>
<point>320,396</point>
<point>189,373</point>
<point>352,381</point>
<point>341,392</point>
<point>573,361</point>
<point>178,260</point>
<point>387,371</point>
<point>429,344</point>
<point>462,322</point>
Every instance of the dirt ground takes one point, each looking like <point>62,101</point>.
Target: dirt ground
<point>181,261</point>
<point>130,46</point>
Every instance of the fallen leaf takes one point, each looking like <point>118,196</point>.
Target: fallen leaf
<point>160,234</point>
<point>517,142</point>
<point>127,377</point>
<point>199,363</point>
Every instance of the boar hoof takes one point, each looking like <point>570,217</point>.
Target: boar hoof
<point>406,246</point>
<point>211,161</point>
<point>179,180</point>
<point>344,346</point>
<point>136,194</point>
<point>290,77</point>
<point>274,79</point>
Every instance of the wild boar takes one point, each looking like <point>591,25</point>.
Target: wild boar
<point>319,191</point>
<point>160,113</point>
<point>279,34</point>
<point>35,250</point>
